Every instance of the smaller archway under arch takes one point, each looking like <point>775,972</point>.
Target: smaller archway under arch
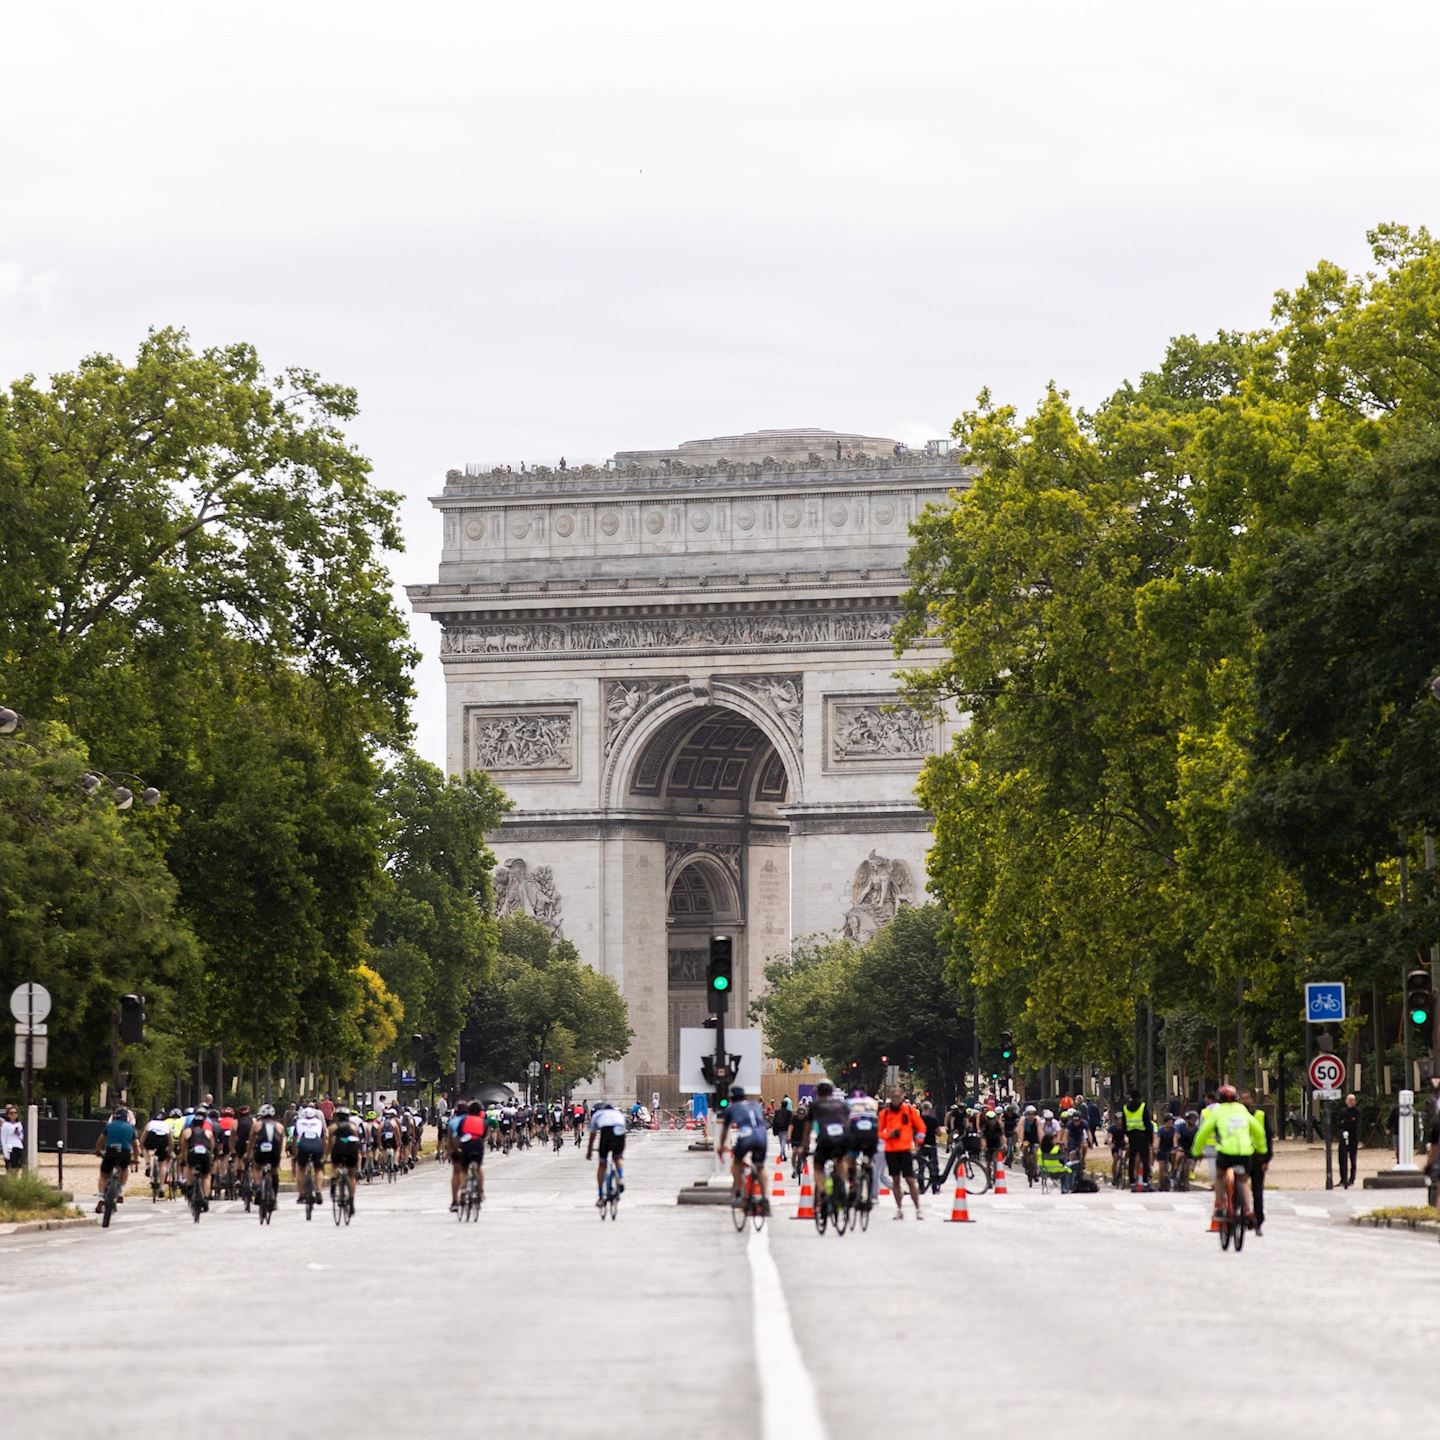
<point>703,900</point>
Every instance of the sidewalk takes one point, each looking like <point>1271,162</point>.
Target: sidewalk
<point>1300,1165</point>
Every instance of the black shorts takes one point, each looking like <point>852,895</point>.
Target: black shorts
<point>753,1147</point>
<point>1240,1163</point>
<point>900,1164</point>
<point>199,1161</point>
<point>159,1146</point>
<point>348,1156</point>
<point>270,1157</point>
<point>306,1154</point>
<point>464,1154</point>
<point>113,1157</point>
<point>612,1142</point>
<point>828,1148</point>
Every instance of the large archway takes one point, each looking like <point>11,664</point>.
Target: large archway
<point>711,778</point>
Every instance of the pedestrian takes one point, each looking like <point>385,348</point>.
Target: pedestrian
<point>902,1130</point>
<point>1259,1164</point>
<point>1349,1140</point>
<point>12,1139</point>
<point>781,1121</point>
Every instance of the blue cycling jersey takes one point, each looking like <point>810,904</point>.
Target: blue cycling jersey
<point>747,1120</point>
<point>119,1135</point>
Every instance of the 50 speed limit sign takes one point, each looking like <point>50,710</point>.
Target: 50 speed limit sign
<point>1327,1072</point>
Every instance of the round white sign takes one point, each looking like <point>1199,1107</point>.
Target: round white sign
<point>1327,1072</point>
<point>29,1002</point>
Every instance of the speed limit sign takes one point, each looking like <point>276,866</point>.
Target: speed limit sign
<point>1327,1072</point>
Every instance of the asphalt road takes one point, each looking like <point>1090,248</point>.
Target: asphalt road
<point>1098,1315</point>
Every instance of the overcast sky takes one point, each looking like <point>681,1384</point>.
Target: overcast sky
<point>535,229</point>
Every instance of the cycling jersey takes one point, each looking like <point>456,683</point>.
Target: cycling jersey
<point>268,1137</point>
<point>1235,1130</point>
<point>608,1119</point>
<point>747,1120</point>
<point>157,1135</point>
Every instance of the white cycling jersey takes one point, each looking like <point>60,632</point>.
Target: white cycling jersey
<point>608,1119</point>
<point>311,1128</point>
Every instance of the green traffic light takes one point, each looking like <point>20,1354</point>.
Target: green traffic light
<point>722,982</point>
<point>1419,1016</point>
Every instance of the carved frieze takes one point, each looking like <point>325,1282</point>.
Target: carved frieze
<point>671,632</point>
<point>876,731</point>
<point>525,889</point>
<point>520,740</point>
<point>880,887</point>
<point>687,967</point>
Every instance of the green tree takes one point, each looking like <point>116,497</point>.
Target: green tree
<point>433,932</point>
<point>88,910</point>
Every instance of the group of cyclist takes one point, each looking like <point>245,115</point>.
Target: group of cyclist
<point>195,1151</point>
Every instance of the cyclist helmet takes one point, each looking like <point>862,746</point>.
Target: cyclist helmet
<point>1226,1092</point>
<point>737,1092</point>
<point>267,1112</point>
<point>1029,1109</point>
<point>342,1113</point>
<point>243,1110</point>
<point>120,1113</point>
<point>309,1111</point>
<point>1048,1115</point>
<point>228,1110</point>
<point>214,1113</point>
<point>174,1113</point>
<point>823,1089</point>
<point>371,1115</point>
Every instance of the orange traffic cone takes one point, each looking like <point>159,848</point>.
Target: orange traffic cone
<point>777,1182</point>
<point>1000,1186</point>
<point>807,1197</point>
<point>1214,1224</point>
<point>959,1208</point>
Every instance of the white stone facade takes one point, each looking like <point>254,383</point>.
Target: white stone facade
<point>683,678</point>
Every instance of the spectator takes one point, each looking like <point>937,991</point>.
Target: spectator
<point>1349,1140</point>
<point>782,1123</point>
<point>327,1109</point>
<point>12,1139</point>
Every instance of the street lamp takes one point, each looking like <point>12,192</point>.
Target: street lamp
<point>9,720</point>
<point>123,795</point>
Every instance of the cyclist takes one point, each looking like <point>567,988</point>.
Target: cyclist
<point>747,1119</point>
<point>863,1133</point>
<point>342,1147</point>
<point>928,1155</point>
<point>310,1131</point>
<point>830,1126</point>
<point>1165,1150</point>
<point>390,1137</point>
<point>467,1142</point>
<point>609,1124</point>
<point>557,1124</point>
<point>902,1129</point>
<point>197,1150</point>
<point>992,1132</point>
<point>157,1144</point>
<point>1118,1138</point>
<point>263,1150</point>
<point>1077,1138</point>
<point>118,1149</point>
<point>1029,1140</point>
<point>1237,1135</point>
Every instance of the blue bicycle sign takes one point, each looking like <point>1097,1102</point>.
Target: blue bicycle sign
<point>1324,1001</point>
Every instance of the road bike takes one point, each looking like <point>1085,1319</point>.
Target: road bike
<point>392,1173</point>
<point>610,1190</point>
<point>471,1196</point>
<point>172,1177</point>
<point>928,1169</point>
<point>749,1204</point>
<point>830,1207</point>
<point>342,1195</point>
<point>196,1197</point>
<point>1231,1220</point>
<point>155,1172</point>
<point>111,1197</point>
<point>559,1138</point>
<point>967,1169</point>
<point>265,1195</point>
<point>1029,1163</point>
<point>1117,1169</point>
<point>859,1202</point>
<point>309,1191</point>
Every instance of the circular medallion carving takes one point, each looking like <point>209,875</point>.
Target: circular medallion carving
<point>654,522</point>
<point>791,516</point>
<point>839,515</point>
<point>564,525</point>
<point>475,528</point>
<point>520,527</point>
<point>744,519</point>
<point>884,513</point>
<point>609,522</point>
<point>700,520</point>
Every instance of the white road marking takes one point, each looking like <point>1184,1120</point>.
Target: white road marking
<point>789,1409</point>
<point>1312,1212</point>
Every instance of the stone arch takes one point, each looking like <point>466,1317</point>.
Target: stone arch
<point>652,718</point>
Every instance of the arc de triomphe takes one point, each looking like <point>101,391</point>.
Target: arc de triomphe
<point>678,665</point>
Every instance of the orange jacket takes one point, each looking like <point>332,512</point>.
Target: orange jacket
<point>901,1129</point>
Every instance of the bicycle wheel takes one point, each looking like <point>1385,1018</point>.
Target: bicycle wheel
<point>613,1204</point>
<point>740,1208</point>
<point>822,1204</point>
<point>197,1199</point>
<point>977,1182</point>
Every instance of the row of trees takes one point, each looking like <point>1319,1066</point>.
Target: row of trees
<point>196,593</point>
<point>1193,631</point>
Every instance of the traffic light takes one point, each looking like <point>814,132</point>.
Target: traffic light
<point>546,1067</point>
<point>132,1020</point>
<point>720,974</point>
<point>1419,1001</point>
<point>427,1060</point>
<point>1007,1046</point>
